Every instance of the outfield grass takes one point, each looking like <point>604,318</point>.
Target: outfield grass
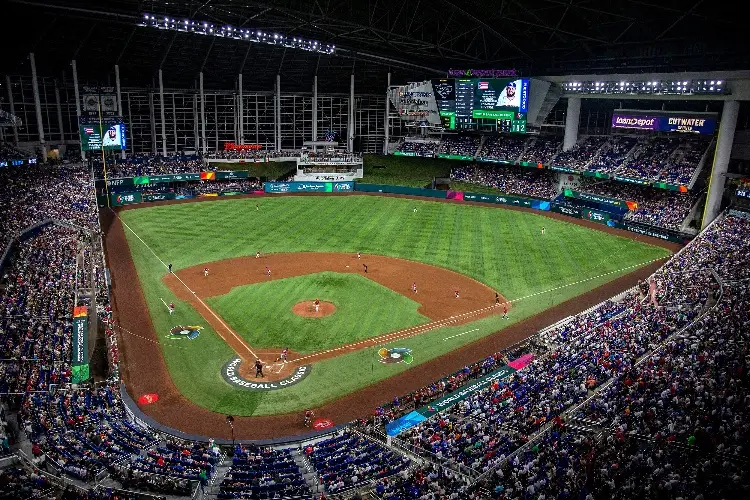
<point>501,248</point>
<point>262,313</point>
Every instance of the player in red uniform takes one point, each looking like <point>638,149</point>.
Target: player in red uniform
<point>171,307</point>
<point>284,354</point>
<point>309,415</point>
<point>505,311</point>
<point>317,305</point>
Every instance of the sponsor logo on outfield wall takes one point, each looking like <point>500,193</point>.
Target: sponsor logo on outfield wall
<point>231,373</point>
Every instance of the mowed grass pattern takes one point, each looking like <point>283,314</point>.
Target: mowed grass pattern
<point>502,248</point>
<point>262,313</point>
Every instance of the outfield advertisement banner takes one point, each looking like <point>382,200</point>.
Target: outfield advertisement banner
<point>158,197</point>
<point>455,157</point>
<point>562,209</point>
<point>117,200</point>
<point>411,419</point>
<point>654,232</point>
<point>385,188</point>
<point>630,180</point>
<point>596,198</point>
<point>80,357</point>
<point>508,200</point>
<point>157,179</point>
<point>308,187</point>
<point>232,174</point>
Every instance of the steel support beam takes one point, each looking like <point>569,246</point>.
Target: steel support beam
<point>161,116</point>
<point>59,115</point>
<point>203,114</point>
<point>387,124</point>
<point>350,132</point>
<point>118,89</point>
<point>78,101</point>
<point>38,107</point>
<point>240,109</point>
<point>315,110</point>
<point>12,109</point>
<point>721,161</point>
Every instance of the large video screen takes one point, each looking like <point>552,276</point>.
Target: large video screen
<point>483,104</point>
<point>92,138</point>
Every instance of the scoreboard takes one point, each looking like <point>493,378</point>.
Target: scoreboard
<point>482,104</point>
<point>109,137</point>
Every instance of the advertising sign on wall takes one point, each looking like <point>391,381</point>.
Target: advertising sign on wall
<point>696,124</point>
<point>308,187</point>
<point>80,356</point>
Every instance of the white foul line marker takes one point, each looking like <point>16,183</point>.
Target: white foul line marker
<point>458,335</point>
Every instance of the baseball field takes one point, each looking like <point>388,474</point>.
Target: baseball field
<point>458,255</point>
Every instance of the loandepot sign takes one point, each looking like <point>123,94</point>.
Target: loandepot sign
<point>231,374</point>
<point>411,419</point>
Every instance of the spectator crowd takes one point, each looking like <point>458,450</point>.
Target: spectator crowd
<point>644,396</point>
<point>520,181</point>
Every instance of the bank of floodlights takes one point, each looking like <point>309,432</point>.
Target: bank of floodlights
<point>664,87</point>
<point>249,35</point>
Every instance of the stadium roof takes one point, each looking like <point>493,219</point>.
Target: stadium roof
<point>415,39</point>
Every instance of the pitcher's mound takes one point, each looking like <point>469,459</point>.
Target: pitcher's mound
<point>306,309</point>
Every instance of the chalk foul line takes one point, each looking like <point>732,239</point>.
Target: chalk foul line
<point>460,334</point>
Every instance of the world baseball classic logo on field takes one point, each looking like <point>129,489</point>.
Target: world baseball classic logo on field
<point>184,332</point>
<point>395,355</point>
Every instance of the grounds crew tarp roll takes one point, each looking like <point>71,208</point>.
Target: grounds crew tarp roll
<point>80,361</point>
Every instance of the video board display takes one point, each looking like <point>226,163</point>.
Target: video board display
<point>482,104</point>
<point>92,138</point>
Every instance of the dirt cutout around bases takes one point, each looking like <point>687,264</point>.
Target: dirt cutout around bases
<point>306,309</point>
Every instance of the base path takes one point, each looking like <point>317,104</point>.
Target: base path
<point>436,294</point>
<point>143,369</point>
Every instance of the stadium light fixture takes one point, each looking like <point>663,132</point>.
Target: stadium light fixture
<point>204,28</point>
<point>694,87</point>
